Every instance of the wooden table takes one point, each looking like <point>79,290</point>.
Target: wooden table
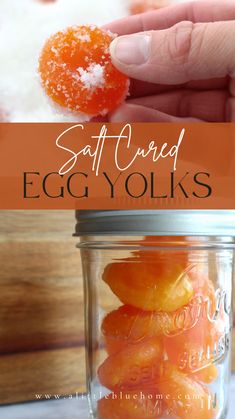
<point>41,305</point>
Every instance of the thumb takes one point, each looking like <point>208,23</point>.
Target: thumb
<point>182,53</point>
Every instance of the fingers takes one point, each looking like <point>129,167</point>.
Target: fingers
<point>139,88</point>
<point>196,11</point>
<point>136,113</point>
<point>231,102</point>
<point>210,106</point>
<point>178,55</point>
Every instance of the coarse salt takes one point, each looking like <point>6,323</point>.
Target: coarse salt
<point>84,38</point>
<point>92,77</point>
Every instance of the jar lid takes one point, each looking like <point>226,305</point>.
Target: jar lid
<point>156,222</point>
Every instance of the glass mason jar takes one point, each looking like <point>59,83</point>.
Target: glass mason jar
<point>158,287</point>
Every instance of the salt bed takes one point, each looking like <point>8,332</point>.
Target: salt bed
<point>24,27</point>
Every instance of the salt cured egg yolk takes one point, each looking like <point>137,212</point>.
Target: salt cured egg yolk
<point>77,72</point>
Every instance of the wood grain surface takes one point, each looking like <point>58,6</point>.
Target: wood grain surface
<point>42,374</point>
<point>41,282</point>
<point>41,306</point>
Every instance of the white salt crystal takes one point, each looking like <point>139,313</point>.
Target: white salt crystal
<point>92,77</point>
<point>54,50</point>
<point>84,38</point>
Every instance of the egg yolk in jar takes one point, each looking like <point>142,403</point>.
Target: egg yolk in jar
<point>155,341</point>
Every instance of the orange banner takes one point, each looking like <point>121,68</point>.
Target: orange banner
<point>117,166</point>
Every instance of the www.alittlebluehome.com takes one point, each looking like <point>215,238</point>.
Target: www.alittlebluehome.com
<point>157,400</point>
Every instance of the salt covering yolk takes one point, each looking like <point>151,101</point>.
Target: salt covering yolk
<point>77,73</point>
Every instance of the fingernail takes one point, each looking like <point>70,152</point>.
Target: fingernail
<point>132,49</point>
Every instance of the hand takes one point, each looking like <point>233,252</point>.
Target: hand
<point>181,60</point>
